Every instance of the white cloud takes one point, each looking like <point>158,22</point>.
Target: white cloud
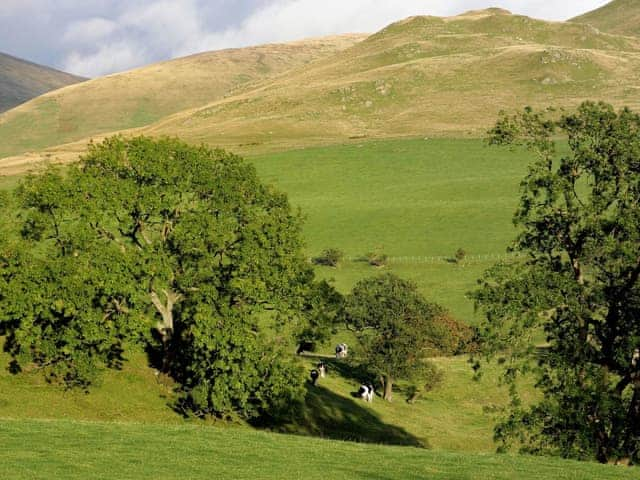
<point>89,31</point>
<point>112,57</point>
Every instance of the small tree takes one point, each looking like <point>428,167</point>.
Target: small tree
<point>579,216</point>
<point>395,326</point>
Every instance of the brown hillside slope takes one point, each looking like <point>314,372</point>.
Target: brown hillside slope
<point>21,81</point>
<point>141,96</point>
<point>421,76</point>
<point>424,76</point>
<point>621,17</point>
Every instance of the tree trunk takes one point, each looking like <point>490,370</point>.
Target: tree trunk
<point>633,421</point>
<point>165,327</point>
<point>388,388</point>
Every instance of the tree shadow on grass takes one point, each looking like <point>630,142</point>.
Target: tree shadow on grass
<point>359,374</point>
<point>326,414</point>
<point>344,368</point>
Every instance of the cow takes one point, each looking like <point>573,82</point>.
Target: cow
<point>314,374</point>
<point>342,350</point>
<point>366,392</point>
<point>322,369</point>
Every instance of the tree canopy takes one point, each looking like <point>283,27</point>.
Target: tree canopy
<point>395,327</point>
<point>149,241</point>
<point>569,314</point>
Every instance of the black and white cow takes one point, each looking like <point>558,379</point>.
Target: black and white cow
<point>314,374</point>
<point>322,369</point>
<point>342,350</point>
<point>366,392</point>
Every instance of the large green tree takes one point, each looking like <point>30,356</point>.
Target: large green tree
<point>155,236</point>
<point>395,326</point>
<point>569,313</point>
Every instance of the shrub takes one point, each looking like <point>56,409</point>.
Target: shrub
<point>459,255</point>
<point>376,258</point>
<point>331,257</point>
<point>455,337</point>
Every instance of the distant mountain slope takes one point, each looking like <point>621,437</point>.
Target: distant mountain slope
<point>139,97</point>
<point>424,76</point>
<point>21,81</point>
<point>621,17</point>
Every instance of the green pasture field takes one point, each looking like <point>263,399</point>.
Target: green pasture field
<point>75,450</point>
<point>416,200</point>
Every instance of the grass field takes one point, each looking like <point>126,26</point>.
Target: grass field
<point>73,450</point>
<point>457,416</point>
<point>416,200</point>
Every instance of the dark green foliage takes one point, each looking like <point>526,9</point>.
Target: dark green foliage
<point>145,235</point>
<point>579,217</point>
<point>395,326</point>
<point>331,257</point>
<point>322,307</point>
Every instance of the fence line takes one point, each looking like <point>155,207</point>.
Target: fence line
<point>432,260</point>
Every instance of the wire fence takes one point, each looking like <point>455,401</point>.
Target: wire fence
<point>444,259</point>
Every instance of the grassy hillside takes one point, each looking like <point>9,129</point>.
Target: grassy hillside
<point>621,17</point>
<point>417,200</point>
<point>141,96</point>
<point>457,416</point>
<point>423,76</point>
<point>72,450</point>
<point>21,81</point>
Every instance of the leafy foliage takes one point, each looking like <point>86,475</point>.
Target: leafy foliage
<point>331,257</point>
<point>145,235</point>
<point>395,326</point>
<point>322,307</point>
<point>377,258</point>
<point>579,216</point>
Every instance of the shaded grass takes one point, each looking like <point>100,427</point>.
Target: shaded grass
<point>73,450</point>
<point>459,415</point>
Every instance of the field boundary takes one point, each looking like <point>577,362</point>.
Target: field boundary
<point>436,259</point>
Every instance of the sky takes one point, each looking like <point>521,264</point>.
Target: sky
<point>97,37</point>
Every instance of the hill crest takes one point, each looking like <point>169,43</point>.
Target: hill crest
<point>421,76</point>
<point>621,17</point>
<point>22,80</point>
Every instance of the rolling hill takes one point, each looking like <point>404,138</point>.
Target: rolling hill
<point>424,76</point>
<point>621,17</point>
<point>421,76</point>
<point>139,97</point>
<point>21,81</point>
